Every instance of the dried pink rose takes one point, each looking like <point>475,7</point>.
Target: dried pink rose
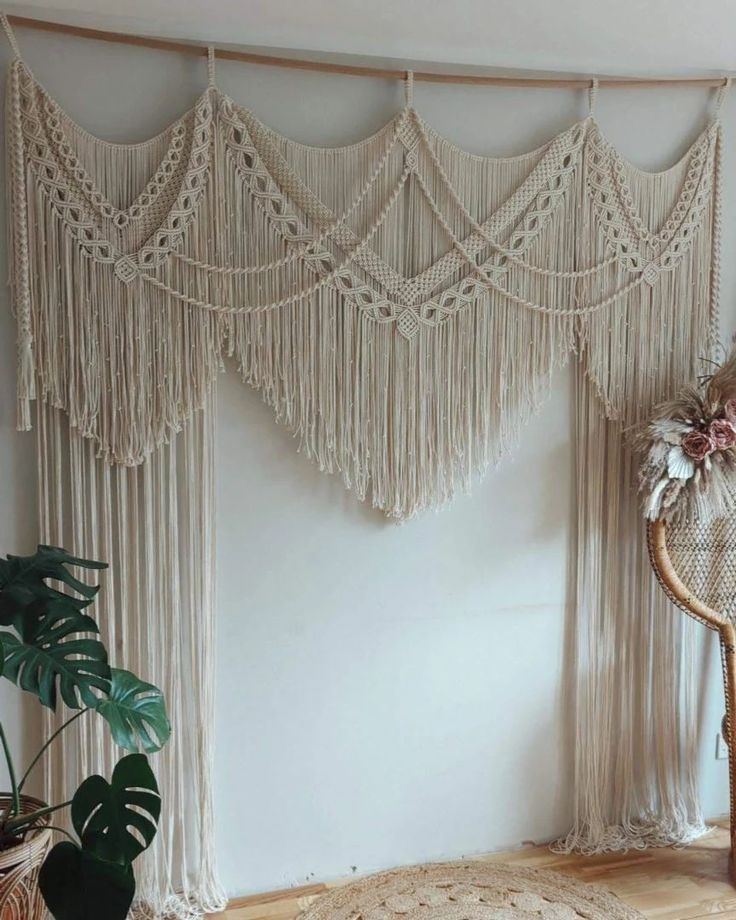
<point>722,434</point>
<point>697,444</point>
<point>730,410</point>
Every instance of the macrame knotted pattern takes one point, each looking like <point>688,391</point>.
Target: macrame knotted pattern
<point>510,265</point>
<point>402,305</point>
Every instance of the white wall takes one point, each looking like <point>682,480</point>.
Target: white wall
<point>386,694</point>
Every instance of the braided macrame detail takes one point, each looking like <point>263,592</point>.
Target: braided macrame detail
<point>636,246</point>
<point>59,174</point>
<point>715,266</point>
<point>76,173</point>
<point>19,261</point>
<point>239,241</point>
<point>666,263</point>
<point>547,187</point>
<point>540,194</point>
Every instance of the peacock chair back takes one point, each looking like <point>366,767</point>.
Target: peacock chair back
<point>695,563</point>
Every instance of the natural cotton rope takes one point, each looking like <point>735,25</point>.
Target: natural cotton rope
<point>402,306</point>
<point>10,35</point>
<point>211,64</point>
<point>409,89</point>
<point>634,683</point>
<point>592,97</point>
<point>147,520</point>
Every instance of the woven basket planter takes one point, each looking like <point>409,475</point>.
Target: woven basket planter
<point>20,898</point>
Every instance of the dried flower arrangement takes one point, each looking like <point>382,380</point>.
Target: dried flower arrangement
<point>688,469</point>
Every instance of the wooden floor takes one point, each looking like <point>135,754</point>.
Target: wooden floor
<point>670,884</point>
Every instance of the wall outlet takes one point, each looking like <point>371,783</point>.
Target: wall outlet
<point>721,747</point>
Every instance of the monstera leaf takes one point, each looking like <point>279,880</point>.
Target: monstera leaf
<point>117,821</point>
<point>75,884</point>
<point>23,581</point>
<point>51,651</point>
<point>136,713</point>
<point>48,651</point>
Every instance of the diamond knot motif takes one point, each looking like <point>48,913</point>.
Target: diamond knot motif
<point>412,159</point>
<point>410,290</point>
<point>408,134</point>
<point>126,269</point>
<point>650,274</point>
<point>408,324</point>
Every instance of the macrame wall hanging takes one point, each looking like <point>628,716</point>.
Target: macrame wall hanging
<point>401,304</point>
<point>636,728</point>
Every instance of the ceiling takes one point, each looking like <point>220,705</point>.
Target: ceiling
<point>581,36</point>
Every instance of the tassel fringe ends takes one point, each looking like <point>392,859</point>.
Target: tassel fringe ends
<point>158,605</point>
<point>26,384</point>
<point>592,840</point>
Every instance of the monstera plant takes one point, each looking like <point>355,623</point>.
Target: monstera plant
<point>50,647</point>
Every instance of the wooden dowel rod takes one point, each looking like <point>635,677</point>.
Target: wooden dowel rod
<point>249,57</point>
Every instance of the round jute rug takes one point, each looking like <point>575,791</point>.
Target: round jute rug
<point>469,891</point>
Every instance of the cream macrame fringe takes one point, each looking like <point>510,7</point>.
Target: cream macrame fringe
<point>402,305</point>
<point>125,380</point>
<point>635,729</point>
<point>156,613</point>
<point>407,403</point>
<point>635,689</point>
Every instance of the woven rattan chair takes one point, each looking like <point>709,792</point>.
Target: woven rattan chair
<point>696,565</point>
